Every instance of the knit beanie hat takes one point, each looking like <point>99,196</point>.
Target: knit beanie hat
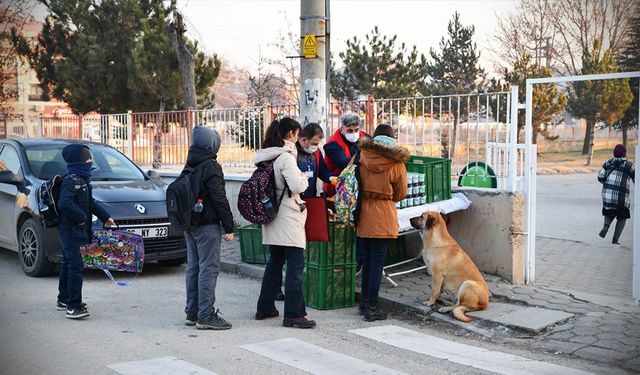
<point>76,153</point>
<point>385,140</point>
<point>206,138</point>
<point>620,151</point>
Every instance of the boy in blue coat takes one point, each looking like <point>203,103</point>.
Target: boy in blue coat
<point>76,204</point>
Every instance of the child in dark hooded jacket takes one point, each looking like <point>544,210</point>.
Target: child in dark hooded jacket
<point>76,205</point>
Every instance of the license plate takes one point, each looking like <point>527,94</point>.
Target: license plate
<point>154,232</point>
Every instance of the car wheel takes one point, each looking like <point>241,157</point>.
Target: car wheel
<point>33,260</point>
<point>172,262</point>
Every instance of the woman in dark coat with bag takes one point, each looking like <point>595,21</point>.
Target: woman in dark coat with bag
<point>614,177</point>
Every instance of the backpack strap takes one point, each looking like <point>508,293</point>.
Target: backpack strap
<point>286,186</point>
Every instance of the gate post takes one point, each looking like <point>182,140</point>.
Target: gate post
<point>530,190</point>
<point>636,235</point>
<point>513,139</point>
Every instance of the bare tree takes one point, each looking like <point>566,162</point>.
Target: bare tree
<point>265,87</point>
<point>560,30</point>
<point>186,63</point>
<point>580,22</point>
<point>288,46</point>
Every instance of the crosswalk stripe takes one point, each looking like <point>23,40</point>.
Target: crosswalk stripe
<point>480,358</point>
<point>314,359</point>
<point>159,366</point>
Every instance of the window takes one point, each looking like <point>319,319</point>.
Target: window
<point>9,160</point>
<point>35,93</point>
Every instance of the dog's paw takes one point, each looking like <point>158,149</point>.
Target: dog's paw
<point>430,302</point>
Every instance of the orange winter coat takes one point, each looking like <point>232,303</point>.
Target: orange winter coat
<point>384,182</point>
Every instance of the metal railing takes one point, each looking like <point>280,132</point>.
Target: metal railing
<point>466,128</point>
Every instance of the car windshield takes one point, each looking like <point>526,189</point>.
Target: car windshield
<point>45,162</point>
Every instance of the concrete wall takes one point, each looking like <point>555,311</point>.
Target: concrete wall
<point>491,232</point>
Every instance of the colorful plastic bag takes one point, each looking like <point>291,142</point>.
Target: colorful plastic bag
<point>114,250</point>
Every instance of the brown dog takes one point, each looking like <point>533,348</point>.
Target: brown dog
<point>450,268</point>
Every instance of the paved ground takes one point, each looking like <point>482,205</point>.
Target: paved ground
<point>139,330</point>
<point>569,254</point>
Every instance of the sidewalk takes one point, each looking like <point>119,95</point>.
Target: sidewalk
<point>606,332</point>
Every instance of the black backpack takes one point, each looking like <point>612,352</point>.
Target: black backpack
<point>182,194</point>
<point>47,195</point>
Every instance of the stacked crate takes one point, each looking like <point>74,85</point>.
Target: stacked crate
<point>329,280</point>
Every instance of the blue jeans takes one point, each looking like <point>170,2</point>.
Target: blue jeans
<point>375,251</point>
<point>70,283</point>
<point>293,297</point>
<point>203,268</point>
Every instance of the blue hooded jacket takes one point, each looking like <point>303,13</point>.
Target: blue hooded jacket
<point>76,203</point>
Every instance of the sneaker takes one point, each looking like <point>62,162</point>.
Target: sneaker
<point>77,312</point>
<point>213,321</point>
<point>280,296</point>
<point>615,242</point>
<point>191,320</point>
<point>603,231</point>
<point>301,322</point>
<point>265,315</point>
<point>61,306</point>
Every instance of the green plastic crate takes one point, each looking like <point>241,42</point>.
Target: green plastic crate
<point>328,288</point>
<point>397,250</point>
<point>437,176</point>
<point>251,248</point>
<point>339,251</point>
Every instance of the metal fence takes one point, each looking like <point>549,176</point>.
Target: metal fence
<point>470,129</point>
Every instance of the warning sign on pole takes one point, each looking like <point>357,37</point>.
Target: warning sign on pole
<point>310,47</point>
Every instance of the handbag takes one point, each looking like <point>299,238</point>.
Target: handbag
<point>114,250</point>
<point>317,225</point>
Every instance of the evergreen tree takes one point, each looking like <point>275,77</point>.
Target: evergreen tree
<point>548,101</point>
<point>629,61</point>
<point>455,70</point>
<point>111,56</point>
<point>595,101</point>
<point>378,67</point>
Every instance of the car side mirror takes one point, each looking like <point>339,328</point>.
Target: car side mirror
<point>8,177</point>
<point>153,174</point>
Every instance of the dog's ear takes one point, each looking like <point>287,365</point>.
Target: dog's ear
<point>431,221</point>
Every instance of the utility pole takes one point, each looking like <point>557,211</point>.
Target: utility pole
<point>314,27</point>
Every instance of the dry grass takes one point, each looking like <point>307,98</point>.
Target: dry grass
<point>576,160</point>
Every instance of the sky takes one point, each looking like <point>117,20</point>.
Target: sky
<point>240,30</point>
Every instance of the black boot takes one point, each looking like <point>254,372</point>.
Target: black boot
<point>373,311</point>
<point>362,305</point>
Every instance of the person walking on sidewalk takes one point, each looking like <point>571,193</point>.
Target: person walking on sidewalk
<point>204,237</point>
<point>285,235</point>
<point>384,181</point>
<point>614,177</point>
<point>76,205</point>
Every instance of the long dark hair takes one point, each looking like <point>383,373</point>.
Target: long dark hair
<point>277,130</point>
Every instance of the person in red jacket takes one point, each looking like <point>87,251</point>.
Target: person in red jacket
<point>339,150</point>
<point>341,147</point>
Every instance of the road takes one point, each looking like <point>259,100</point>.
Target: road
<point>570,207</point>
<point>144,322</point>
<point>570,256</point>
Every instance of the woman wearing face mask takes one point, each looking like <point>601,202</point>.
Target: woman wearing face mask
<point>310,159</point>
<point>341,147</point>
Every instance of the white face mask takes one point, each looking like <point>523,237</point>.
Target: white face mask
<point>352,137</point>
<point>311,149</point>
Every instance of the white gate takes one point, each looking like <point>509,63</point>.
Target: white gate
<point>530,179</point>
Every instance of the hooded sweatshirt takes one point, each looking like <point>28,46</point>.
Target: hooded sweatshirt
<point>384,182</point>
<point>203,152</point>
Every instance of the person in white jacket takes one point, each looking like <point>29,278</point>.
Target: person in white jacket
<point>285,235</point>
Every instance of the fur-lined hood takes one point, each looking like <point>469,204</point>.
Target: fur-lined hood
<point>378,157</point>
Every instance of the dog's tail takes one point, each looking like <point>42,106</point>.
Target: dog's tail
<point>459,311</point>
